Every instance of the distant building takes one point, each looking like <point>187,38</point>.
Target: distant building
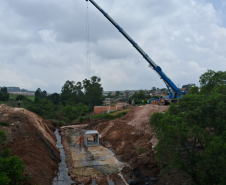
<point>13,89</point>
<point>17,90</point>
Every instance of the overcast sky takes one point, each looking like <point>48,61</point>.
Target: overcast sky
<point>43,43</point>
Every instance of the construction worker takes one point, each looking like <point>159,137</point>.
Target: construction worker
<point>148,101</point>
<point>94,138</point>
<point>81,139</point>
<point>142,101</point>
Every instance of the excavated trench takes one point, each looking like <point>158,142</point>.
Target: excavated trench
<point>123,136</point>
<point>62,177</point>
<point>90,165</point>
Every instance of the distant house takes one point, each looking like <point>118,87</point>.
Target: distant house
<point>109,108</point>
<point>158,92</point>
<point>13,89</point>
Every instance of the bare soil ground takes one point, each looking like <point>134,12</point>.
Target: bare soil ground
<point>31,139</point>
<point>131,139</point>
<point>88,164</point>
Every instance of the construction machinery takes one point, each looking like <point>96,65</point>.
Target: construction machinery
<point>175,92</point>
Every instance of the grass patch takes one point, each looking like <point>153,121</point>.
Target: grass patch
<point>83,118</point>
<point>140,150</point>
<point>61,123</point>
<point>121,111</point>
<point>13,96</point>
<point>111,116</point>
<point>4,124</point>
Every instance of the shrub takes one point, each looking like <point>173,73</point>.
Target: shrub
<point>140,150</point>
<point>110,116</point>
<point>4,123</point>
<point>11,167</point>
<point>20,97</point>
<point>192,136</point>
<point>61,123</point>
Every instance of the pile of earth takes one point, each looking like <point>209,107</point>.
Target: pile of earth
<point>31,139</point>
<point>132,140</point>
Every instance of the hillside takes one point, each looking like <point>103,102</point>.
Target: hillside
<point>30,138</point>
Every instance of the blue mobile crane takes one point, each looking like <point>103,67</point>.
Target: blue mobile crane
<point>174,91</point>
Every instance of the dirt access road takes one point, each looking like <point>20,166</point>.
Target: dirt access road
<point>131,140</point>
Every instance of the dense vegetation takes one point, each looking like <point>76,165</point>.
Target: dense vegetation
<point>192,134</point>
<point>140,97</point>
<point>4,96</point>
<point>11,167</point>
<point>76,100</point>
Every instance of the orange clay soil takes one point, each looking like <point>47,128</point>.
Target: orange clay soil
<point>131,139</point>
<point>30,138</point>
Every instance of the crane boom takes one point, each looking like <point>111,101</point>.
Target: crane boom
<point>174,91</point>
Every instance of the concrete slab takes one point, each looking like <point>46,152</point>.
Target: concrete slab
<point>91,161</point>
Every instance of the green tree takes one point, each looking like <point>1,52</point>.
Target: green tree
<point>93,91</point>
<point>4,95</point>
<point>67,92</point>
<point>192,135</point>
<point>11,167</point>
<point>210,79</point>
<point>72,93</point>
<point>21,97</point>
<point>55,98</point>
<point>4,89</point>
<point>80,97</point>
<point>194,89</point>
<point>3,137</point>
<point>11,170</point>
<point>39,94</point>
<point>141,95</point>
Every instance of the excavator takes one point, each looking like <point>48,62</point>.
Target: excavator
<point>175,92</point>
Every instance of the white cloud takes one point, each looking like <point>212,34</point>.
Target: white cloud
<point>47,35</point>
<point>194,67</point>
<point>42,43</point>
<point>16,78</point>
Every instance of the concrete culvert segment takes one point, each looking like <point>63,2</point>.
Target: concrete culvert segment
<point>91,138</point>
<point>92,163</point>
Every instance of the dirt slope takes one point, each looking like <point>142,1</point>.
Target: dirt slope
<point>125,135</point>
<point>30,138</point>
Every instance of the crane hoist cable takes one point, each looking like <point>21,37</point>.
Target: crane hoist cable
<point>87,40</point>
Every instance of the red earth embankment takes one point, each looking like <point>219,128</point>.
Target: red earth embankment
<point>30,138</point>
<point>132,140</point>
